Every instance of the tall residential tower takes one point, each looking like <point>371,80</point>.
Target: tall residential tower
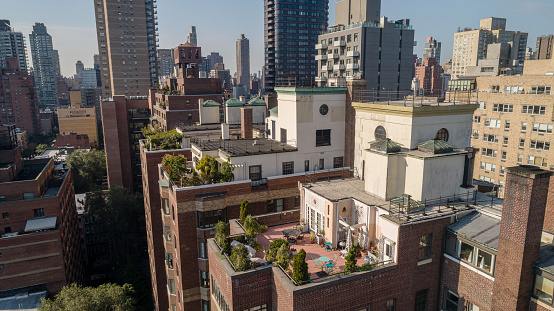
<point>127,45</point>
<point>45,65</point>
<point>291,31</point>
<point>12,44</point>
<point>432,50</point>
<point>243,61</point>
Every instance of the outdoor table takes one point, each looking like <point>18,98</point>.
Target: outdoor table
<point>328,246</point>
<point>324,260</point>
<point>291,232</point>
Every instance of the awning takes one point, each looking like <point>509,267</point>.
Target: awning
<point>41,224</point>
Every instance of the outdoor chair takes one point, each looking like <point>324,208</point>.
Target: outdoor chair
<point>300,239</point>
<point>316,261</point>
<point>329,268</point>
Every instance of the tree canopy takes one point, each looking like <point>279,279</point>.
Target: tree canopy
<point>106,297</point>
<point>162,140</point>
<point>89,169</point>
<point>207,171</point>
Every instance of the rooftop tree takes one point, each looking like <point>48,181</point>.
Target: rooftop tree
<point>300,267</point>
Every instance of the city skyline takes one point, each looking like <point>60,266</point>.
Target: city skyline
<point>74,34</point>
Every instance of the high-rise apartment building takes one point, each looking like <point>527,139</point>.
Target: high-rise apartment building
<point>544,47</point>
<point>127,42</point>
<point>57,68</point>
<point>471,45</point>
<point>432,49</point>
<point>191,36</point>
<point>243,61</point>
<point>289,52</point>
<point>380,52</point>
<point>428,73</point>
<point>348,12</point>
<point>166,64</point>
<point>18,98</point>
<point>79,67</point>
<point>12,44</point>
<point>78,118</point>
<point>45,65</point>
<point>209,62</point>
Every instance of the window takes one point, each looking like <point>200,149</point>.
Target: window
<point>421,300</point>
<point>451,300</point>
<point>519,158</point>
<point>504,155</point>
<point>522,143</point>
<point>503,108</point>
<point>165,206</point>
<point>523,127</point>
<point>538,161</point>
<point>5,215</point>
<point>425,246</point>
<point>540,90</point>
<point>482,105</point>
<point>307,165</point>
<point>487,152</point>
<point>502,170</point>
<point>495,88</point>
<point>288,168</point>
<point>202,250</point>
<point>255,172</point>
<point>171,285</point>
<point>321,164</point>
<point>542,128</point>
<point>543,289</point>
<point>490,138</point>
<point>7,229</point>
<point>477,119</point>
<point>170,261</point>
<point>211,218</point>
<point>219,298</point>
<point>380,133</point>
<point>323,109</point>
<point>38,212</point>
<point>338,162</point>
<point>488,167</point>
<point>507,124</point>
<point>1,267</point>
<point>530,109</point>
<point>495,123</point>
<point>442,134</point>
<point>2,198</point>
<point>28,196</point>
<point>471,307</point>
<point>322,138</point>
<point>205,305</point>
<point>356,37</point>
<point>475,134</point>
<point>391,305</point>
<point>539,145</point>
<point>513,89</point>
<point>284,136</point>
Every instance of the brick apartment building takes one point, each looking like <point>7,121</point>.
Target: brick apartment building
<point>39,233</point>
<point>72,140</point>
<point>430,79</point>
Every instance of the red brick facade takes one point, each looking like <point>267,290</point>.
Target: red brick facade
<point>72,140</point>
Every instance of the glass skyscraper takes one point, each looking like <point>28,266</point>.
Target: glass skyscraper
<point>291,30</point>
<point>45,65</point>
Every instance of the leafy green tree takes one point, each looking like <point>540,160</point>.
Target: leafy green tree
<point>300,267</point>
<point>244,210</point>
<point>207,168</point>
<point>239,257</point>
<point>89,168</point>
<point>252,227</point>
<point>283,256</point>
<point>351,260</point>
<point>226,174</point>
<point>176,168</point>
<point>40,148</point>
<point>161,140</point>
<point>221,233</point>
<point>274,247</point>
<point>106,297</point>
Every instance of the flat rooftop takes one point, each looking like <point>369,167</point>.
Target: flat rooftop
<point>244,147</point>
<point>354,188</point>
<point>213,127</point>
<point>31,171</point>
<point>478,227</point>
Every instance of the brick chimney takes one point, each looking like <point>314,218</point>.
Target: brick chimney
<point>354,88</point>
<point>520,236</point>
<point>246,122</point>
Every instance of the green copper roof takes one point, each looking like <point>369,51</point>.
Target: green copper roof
<point>211,103</point>
<point>274,112</point>
<point>387,145</point>
<point>233,102</point>
<point>257,102</point>
<point>435,146</point>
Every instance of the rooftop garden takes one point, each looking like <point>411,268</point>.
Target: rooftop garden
<point>208,171</point>
<point>165,90</point>
<point>158,139</point>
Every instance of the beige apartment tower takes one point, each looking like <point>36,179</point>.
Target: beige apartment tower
<point>243,61</point>
<point>349,12</point>
<point>126,32</point>
<point>470,45</point>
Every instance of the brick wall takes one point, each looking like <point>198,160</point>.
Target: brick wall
<point>549,214</point>
<point>279,218</point>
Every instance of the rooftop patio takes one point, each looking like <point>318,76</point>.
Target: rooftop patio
<point>274,233</point>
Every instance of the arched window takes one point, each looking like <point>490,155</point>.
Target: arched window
<point>323,109</point>
<point>442,134</point>
<point>380,133</point>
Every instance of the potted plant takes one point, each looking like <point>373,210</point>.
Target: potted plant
<point>312,238</point>
<point>300,227</point>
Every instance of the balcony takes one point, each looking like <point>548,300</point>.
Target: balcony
<point>339,43</point>
<point>321,46</point>
<point>326,68</point>
<point>339,67</point>
<point>320,79</point>
<point>353,54</point>
<point>353,66</point>
<point>335,55</point>
<point>321,57</point>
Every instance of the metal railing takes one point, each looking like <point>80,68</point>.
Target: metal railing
<point>409,99</point>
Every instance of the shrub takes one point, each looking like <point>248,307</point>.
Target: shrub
<point>239,258</point>
<point>161,140</point>
<point>351,260</point>
<point>283,256</point>
<point>175,167</point>
<point>252,227</point>
<point>244,210</point>
<point>263,228</point>
<point>221,233</point>
<point>274,247</point>
<point>300,267</point>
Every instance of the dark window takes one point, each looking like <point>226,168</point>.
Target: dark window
<point>380,133</point>
<point>442,134</point>
<point>211,218</point>
<point>307,165</point>
<point>202,250</point>
<point>205,305</point>
<point>255,172</point>
<point>165,206</point>
<point>273,130</point>
<point>204,280</point>
<point>338,162</point>
<point>425,246</point>
<point>1,267</point>
<point>296,201</point>
<point>321,164</point>
<point>322,138</point>
<point>288,168</point>
<point>7,229</point>
<point>219,298</point>
<point>39,212</point>
<point>170,261</point>
<point>323,109</point>
<point>173,212</point>
<point>450,300</point>
<point>2,198</point>
<point>391,305</point>
<point>284,136</point>
<point>6,215</point>
<point>421,300</point>
<point>451,244</point>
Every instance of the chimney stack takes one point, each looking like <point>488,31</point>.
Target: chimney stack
<point>246,122</point>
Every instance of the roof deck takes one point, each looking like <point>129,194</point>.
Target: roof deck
<point>243,147</point>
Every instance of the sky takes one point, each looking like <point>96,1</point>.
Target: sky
<point>219,23</point>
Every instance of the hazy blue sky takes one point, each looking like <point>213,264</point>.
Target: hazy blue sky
<point>220,22</point>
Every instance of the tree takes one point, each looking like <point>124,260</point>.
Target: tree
<point>106,297</point>
<point>283,256</point>
<point>239,258</point>
<point>300,267</point>
<point>351,260</point>
<point>244,210</point>
<point>252,227</point>
<point>40,148</point>
<point>162,140</point>
<point>221,233</point>
<point>176,167</point>
<point>274,247</point>
<point>89,168</point>
<point>207,167</point>
<point>226,174</point>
